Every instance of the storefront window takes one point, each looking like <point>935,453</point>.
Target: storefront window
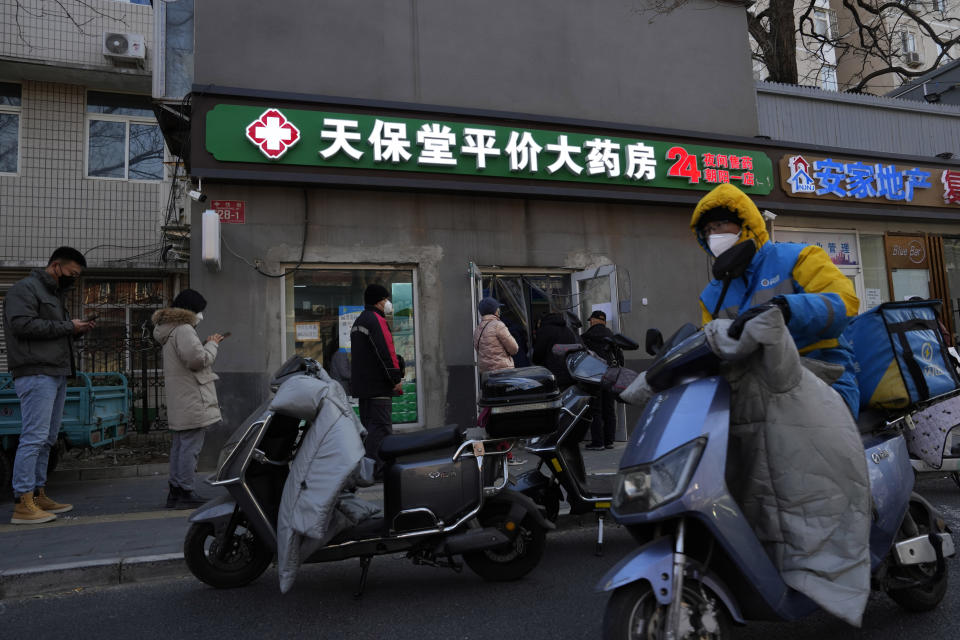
<point>875,283</point>
<point>322,304</point>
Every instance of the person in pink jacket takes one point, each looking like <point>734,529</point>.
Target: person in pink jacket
<point>492,340</point>
<point>495,349</point>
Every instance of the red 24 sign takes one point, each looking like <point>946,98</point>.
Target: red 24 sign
<point>685,166</point>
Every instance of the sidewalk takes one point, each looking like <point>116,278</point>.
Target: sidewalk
<point>120,531</point>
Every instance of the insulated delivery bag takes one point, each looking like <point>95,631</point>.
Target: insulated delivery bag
<point>901,355</point>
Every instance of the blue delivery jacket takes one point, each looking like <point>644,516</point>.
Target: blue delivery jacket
<point>822,300</point>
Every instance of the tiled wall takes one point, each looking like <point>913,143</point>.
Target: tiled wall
<point>51,203</point>
<point>70,31</point>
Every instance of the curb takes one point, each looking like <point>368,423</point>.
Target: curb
<point>75,576</point>
<point>105,473</point>
<point>69,576</point>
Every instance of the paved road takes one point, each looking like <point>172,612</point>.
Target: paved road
<point>407,602</point>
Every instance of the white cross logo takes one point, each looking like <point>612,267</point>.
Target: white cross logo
<point>272,133</point>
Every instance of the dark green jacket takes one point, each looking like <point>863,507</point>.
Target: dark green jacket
<point>37,327</point>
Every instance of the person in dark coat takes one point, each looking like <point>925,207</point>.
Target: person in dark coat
<point>604,427</point>
<point>375,370</point>
<point>553,330</point>
<point>39,340</point>
<point>521,357</point>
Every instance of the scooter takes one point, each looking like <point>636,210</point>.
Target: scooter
<point>443,498</point>
<point>700,566</point>
<point>561,473</point>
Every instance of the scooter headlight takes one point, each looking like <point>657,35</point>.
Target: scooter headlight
<point>648,486</point>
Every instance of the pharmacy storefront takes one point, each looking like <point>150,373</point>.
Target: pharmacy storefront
<point>316,201</point>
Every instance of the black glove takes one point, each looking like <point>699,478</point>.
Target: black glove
<point>617,379</point>
<point>736,328</point>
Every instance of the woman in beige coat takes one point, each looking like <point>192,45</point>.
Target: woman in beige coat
<point>492,340</point>
<point>191,395</point>
<point>495,349</point>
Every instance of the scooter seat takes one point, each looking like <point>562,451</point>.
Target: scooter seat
<point>405,444</point>
<point>870,420</point>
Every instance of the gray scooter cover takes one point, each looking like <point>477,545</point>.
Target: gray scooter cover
<point>796,466</point>
<point>325,465</point>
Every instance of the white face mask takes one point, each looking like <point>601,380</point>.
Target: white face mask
<point>387,308</point>
<point>720,242</point>
<point>200,316</point>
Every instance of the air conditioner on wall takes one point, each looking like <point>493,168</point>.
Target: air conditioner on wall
<point>913,59</point>
<point>124,46</point>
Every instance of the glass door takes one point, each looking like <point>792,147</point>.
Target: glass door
<point>595,289</point>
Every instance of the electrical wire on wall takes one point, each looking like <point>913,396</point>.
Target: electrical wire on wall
<point>303,246</point>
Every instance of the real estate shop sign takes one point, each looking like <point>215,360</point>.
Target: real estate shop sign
<point>806,176</point>
<point>297,137</point>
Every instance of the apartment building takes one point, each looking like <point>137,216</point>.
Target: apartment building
<point>83,163</point>
<point>831,54</point>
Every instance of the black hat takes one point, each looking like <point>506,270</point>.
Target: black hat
<point>718,214</point>
<point>374,293</point>
<point>600,315</point>
<point>190,300</point>
<point>488,306</point>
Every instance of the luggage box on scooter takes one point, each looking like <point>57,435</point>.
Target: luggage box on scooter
<point>902,358</point>
<point>523,402</point>
<point>428,489</point>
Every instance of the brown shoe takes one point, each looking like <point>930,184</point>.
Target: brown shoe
<point>50,505</point>
<point>26,511</point>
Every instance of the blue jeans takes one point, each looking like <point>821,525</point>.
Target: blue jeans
<point>41,405</point>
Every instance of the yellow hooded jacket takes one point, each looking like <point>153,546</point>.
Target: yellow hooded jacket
<point>821,299</point>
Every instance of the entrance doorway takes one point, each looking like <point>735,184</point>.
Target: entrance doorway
<point>529,293</point>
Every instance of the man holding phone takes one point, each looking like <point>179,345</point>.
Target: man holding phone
<point>39,334</point>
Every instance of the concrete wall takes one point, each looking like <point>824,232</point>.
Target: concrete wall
<point>440,234</point>
<point>603,61</point>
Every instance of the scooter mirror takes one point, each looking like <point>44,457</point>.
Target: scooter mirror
<point>654,341</point>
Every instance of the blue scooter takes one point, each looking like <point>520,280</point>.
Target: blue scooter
<point>700,567</point>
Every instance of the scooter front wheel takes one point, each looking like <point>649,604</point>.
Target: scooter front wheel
<point>633,613</point>
<point>515,559</point>
<point>245,559</point>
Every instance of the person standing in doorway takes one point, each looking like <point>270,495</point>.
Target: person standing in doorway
<point>192,405</point>
<point>492,340</point>
<point>603,430</point>
<point>40,335</point>
<point>375,370</point>
<point>495,348</point>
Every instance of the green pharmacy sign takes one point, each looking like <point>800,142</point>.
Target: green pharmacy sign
<point>296,137</point>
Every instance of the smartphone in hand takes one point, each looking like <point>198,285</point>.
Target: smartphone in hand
<point>91,318</point>
<point>225,334</point>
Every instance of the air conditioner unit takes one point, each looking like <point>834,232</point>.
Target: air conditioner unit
<point>124,46</point>
<point>913,58</point>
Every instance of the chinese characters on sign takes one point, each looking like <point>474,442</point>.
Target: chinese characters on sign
<point>230,211</point>
<point>868,181</point>
<point>840,246</point>
<point>315,138</point>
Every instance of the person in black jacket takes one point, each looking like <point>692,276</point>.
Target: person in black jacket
<point>553,330</point>
<point>604,427</point>
<point>375,370</point>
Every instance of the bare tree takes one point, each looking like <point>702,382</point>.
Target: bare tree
<point>81,14</point>
<point>864,39</point>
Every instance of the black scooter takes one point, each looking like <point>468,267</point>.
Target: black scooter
<point>442,498</point>
<point>561,473</point>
